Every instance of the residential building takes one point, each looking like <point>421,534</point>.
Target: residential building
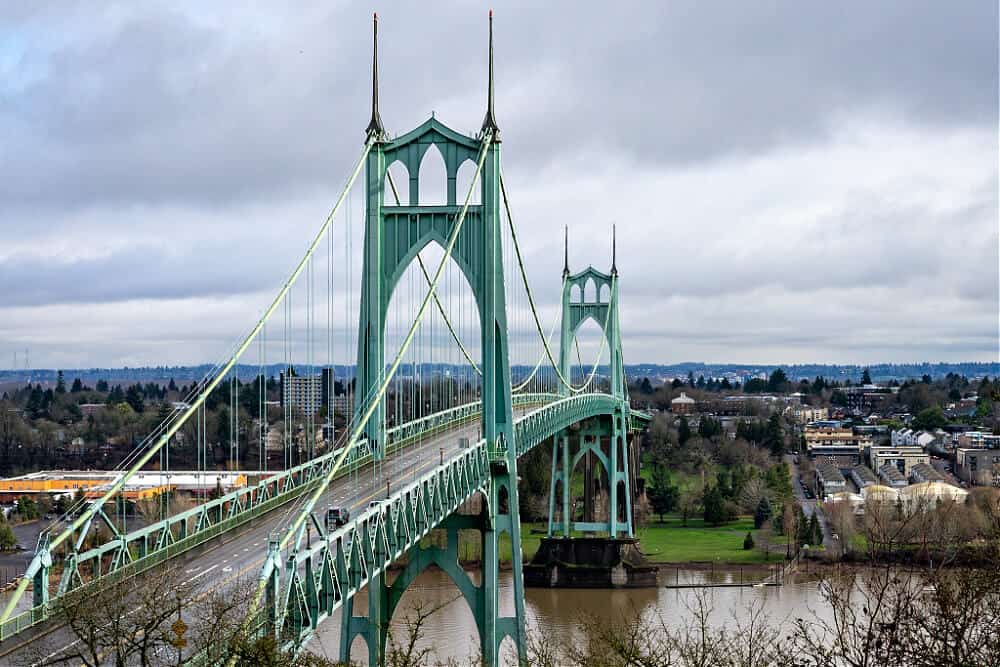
<point>866,398</point>
<point>924,472</point>
<point>822,436</point>
<point>804,414</point>
<point>682,405</point>
<point>829,479</point>
<point>891,476</point>
<point>909,438</point>
<point>977,440</point>
<point>308,393</point>
<point>978,466</point>
<point>901,458</point>
<point>863,476</point>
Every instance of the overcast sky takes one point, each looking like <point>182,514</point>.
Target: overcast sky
<point>792,182</point>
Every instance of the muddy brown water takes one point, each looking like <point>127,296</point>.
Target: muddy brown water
<point>556,613</point>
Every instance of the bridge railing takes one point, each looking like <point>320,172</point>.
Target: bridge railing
<point>320,575</point>
<point>131,553</point>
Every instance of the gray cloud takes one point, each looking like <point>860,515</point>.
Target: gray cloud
<point>768,153</point>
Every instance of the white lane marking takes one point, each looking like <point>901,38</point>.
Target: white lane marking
<point>227,569</point>
<point>202,573</point>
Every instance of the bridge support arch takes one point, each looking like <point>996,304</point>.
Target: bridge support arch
<point>483,599</point>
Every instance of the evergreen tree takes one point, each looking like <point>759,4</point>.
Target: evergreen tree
<point>816,533</point>
<point>102,386</point>
<point>866,377</point>
<point>645,387</point>
<point>77,386</point>
<point>803,531</point>
<point>723,481</point>
<point>683,430</point>
<point>715,507</point>
<point>748,542</point>
<point>778,381</point>
<point>725,384</point>
<point>171,386</point>
<point>663,494</point>
<point>690,378</point>
<point>7,539</point>
<point>762,513</point>
<point>60,383</point>
<point>775,435</point>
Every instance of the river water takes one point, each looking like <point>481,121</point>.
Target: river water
<point>555,613</point>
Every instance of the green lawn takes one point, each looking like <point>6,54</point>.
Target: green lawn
<point>672,542</point>
<point>667,542</point>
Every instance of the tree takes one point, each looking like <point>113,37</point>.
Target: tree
<point>60,383</point>
<point>803,529</point>
<point>663,494</point>
<point>748,542</point>
<point>645,386</point>
<point>7,539</point>
<point>815,531</point>
<point>779,481</point>
<point>77,386</point>
<point>866,377</point>
<point>690,381</point>
<point>715,511</point>
<point>775,436</point>
<point>676,383</point>
<point>690,502</point>
<point>102,386</point>
<point>838,398</point>
<point>27,508</point>
<point>708,427</point>
<point>930,419</point>
<point>763,513</point>
<point>135,399</point>
<point>683,430</point>
<point>778,381</point>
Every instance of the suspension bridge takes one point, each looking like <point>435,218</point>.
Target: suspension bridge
<point>434,417</point>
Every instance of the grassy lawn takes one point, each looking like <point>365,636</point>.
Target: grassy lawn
<point>672,542</point>
<point>667,542</point>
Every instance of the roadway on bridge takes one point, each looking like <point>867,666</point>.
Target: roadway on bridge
<point>240,555</point>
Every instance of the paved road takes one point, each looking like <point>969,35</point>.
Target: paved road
<point>240,554</point>
<point>810,505</point>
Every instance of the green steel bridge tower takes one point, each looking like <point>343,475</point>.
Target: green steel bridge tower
<point>394,235</point>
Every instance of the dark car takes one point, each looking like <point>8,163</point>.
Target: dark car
<point>337,516</point>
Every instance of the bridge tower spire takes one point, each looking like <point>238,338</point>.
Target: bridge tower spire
<point>375,127</point>
<point>489,122</point>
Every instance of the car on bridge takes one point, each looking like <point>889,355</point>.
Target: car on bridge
<point>336,517</point>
